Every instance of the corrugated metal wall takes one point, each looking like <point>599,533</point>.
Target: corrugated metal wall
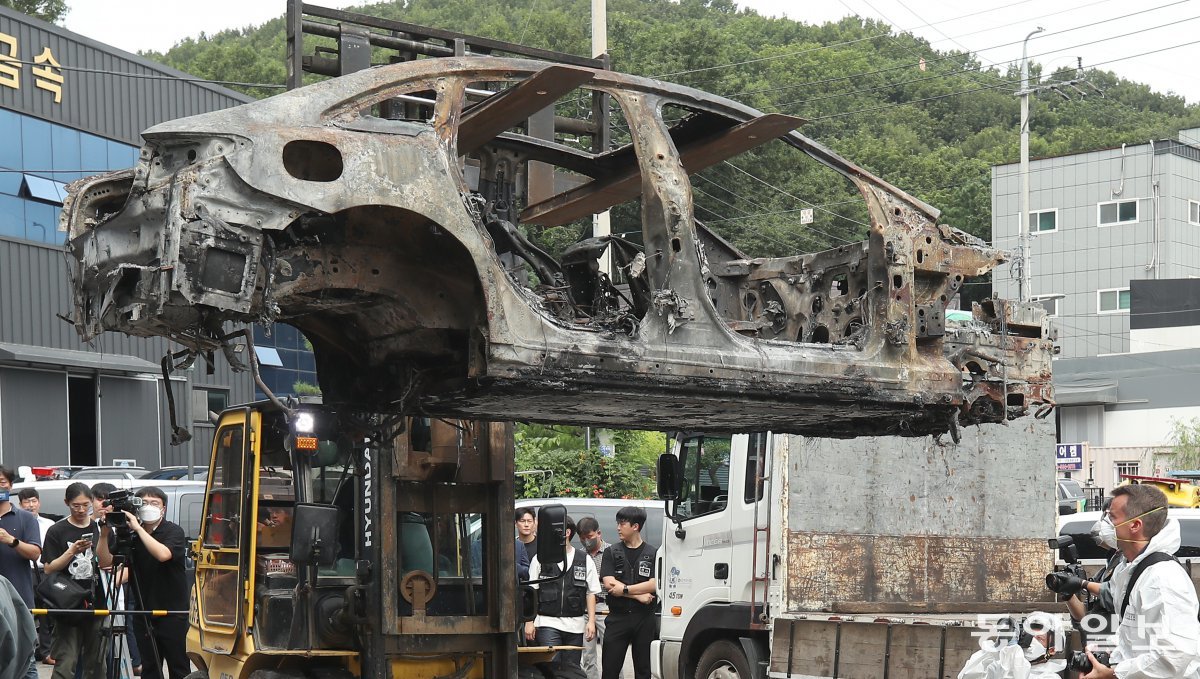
<point>98,96</point>
<point>34,289</point>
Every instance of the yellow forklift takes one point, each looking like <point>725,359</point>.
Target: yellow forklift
<point>339,544</point>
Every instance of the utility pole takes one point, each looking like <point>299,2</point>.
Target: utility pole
<point>1024,287</point>
<point>601,226</point>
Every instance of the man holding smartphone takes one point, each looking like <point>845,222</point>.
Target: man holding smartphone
<point>70,547</point>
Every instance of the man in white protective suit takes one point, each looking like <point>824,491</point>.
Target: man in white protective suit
<point>1155,601</point>
<point>1030,655</point>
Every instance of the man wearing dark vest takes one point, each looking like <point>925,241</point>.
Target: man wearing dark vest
<point>567,605</point>
<point>627,571</point>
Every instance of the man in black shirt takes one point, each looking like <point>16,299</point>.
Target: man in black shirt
<point>68,549</point>
<point>627,573</point>
<point>156,561</point>
<point>527,531</point>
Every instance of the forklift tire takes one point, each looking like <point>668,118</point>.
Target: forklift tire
<point>555,671</point>
<point>723,660</point>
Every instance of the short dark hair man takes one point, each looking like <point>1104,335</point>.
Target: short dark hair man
<point>31,501</point>
<point>527,531</point>
<point>1161,634</point>
<point>20,539</point>
<point>593,542</point>
<point>627,571</point>
<point>566,606</point>
<point>156,562</point>
<point>69,549</point>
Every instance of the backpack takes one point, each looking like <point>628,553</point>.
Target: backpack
<point>1150,560</point>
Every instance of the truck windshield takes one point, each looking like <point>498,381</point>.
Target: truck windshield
<point>705,462</point>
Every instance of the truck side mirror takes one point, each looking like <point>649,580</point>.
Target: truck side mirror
<point>669,477</point>
<point>314,534</point>
<point>551,531</point>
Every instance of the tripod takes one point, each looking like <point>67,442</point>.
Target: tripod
<point>116,642</point>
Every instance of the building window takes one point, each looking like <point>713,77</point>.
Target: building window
<point>206,400</point>
<point>1043,221</point>
<point>1113,301</point>
<point>1124,468</point>
<point>1048,302</point>
<point>1194,212</point>
<point>1117,212</point>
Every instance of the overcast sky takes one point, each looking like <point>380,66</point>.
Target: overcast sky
<point>1109,34</point>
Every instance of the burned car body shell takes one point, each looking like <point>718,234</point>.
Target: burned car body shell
<point>366,234</point>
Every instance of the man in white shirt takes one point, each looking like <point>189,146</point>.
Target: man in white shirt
<point>566,606</point>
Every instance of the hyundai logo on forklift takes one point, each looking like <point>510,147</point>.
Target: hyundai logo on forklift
<point>368,482</point>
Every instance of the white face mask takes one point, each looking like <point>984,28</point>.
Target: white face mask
<point>1035,652</point>
<point>149,514</point>
<point>1105,534</point>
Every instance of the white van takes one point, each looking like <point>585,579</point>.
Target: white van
<point>185,499</point>
<point>1092,556</point>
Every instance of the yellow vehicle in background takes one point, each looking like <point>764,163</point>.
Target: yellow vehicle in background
<point>337,544</point>
<point>1179,492</point>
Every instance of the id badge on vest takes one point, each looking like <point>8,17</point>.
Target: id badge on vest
<point>644,569</point>
<point>581,573</point>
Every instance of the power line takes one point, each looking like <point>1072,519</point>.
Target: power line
<point>801,200</point>
<point>879,35</point>
<point>992,87</point>
<point>957,56</point>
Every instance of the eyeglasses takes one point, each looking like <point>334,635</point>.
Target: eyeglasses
<point>153,502</point>
<point>81,507</point>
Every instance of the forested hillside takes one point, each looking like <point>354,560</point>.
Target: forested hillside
<point>933,131</point>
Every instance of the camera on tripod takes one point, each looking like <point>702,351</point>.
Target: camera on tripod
<point>120,501</point>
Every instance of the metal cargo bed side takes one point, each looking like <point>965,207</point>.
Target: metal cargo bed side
<point>895,547</point>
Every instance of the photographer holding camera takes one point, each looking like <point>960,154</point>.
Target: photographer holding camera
<point>155,550</point>
<point>1158,634</point>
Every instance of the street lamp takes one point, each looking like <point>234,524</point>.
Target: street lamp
<point>1025,283</point>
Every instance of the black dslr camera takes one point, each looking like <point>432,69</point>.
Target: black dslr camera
<point>121,501</point>
<point>1079,662</point>
<point>1066,580</point>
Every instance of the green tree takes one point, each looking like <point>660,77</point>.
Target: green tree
<point>47,10</point>
<point>934,132</point>
<point>573,470</point>
<point>1185,445</point>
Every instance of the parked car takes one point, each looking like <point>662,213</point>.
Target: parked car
<point>90,474</point>
<point>176,473</point>
<point>46,473</point>
<point>1092,555</point>
<point>1071,498</point>
<point>605,511</point>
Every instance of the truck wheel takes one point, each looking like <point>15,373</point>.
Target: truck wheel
<point>723,660</point>
<point>555,671</point>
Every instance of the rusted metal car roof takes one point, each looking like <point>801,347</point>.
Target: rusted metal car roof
<point>385,214</point>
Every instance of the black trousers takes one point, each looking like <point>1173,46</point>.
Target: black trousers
<point>170,637</point>
<point>623,630</point>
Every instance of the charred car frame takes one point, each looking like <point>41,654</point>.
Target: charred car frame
<point>383,213</point>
